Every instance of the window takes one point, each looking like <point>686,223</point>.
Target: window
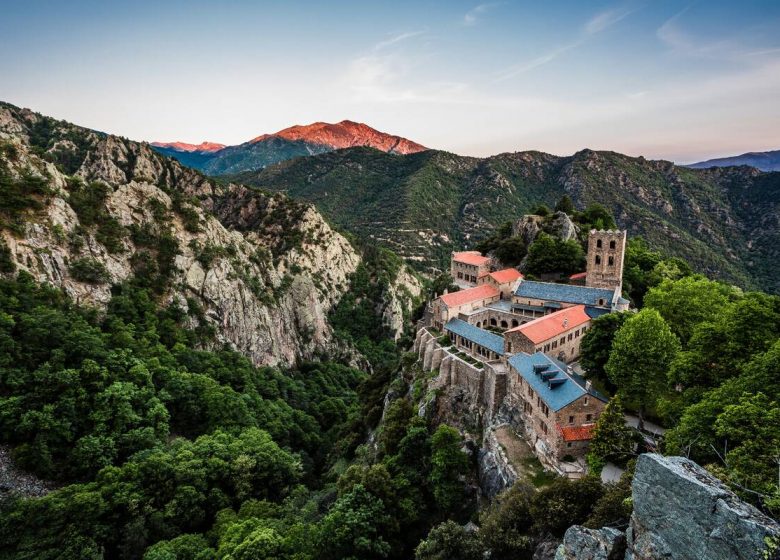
<point>568,444</point>
<point>515,323</point>
<point>585,402</point>
<point>598,243</point>
<point>577,333</point>
<point>570,337</point>
<point>598,259</point>
<point>563,340</point>
<point>611,244</point>
<point>493,322</point>
<point>611,261</point>
<point>460,275</point>
<point>588,417</point>
<point>601,302</point>
<point>504,325</point>
<point>571,419</point>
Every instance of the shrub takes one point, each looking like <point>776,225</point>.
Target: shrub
<point>89,270</point>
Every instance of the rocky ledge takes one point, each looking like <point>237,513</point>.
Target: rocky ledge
<point>681,512</point>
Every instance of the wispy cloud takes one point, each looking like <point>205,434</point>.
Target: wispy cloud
<point>595,25</point>
<point>471,17</point>
<point>606,19</point>
<point>397,39</point>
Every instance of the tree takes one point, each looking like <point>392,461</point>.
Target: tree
<point>506,523</point>
<point>511,251</point>
<point>565,205</point>
<point>565,503</point>
<point>686,302</point>
<point>598,217</point>
<point>638,264</point>
<point>643,349</point>
<point>353,528</point>
<point>550,254</point>
<point>448,465</point>
<point>596,346</point>
<point>613,441</point>
<point>449,541</point>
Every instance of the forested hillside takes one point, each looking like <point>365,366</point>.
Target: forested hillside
<point>724,221</point>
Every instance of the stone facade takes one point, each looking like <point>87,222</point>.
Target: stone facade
<point>564,346</point>
<point>467,266</point>
<point>606,250</point>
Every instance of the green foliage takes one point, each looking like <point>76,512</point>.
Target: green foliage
<point>549,254</point>
<point>505,526</point>
<point>89,270</point>
<point>565,205</point>
<point>89,203</point>
<point>7,263</point>
<point>598,217</point>
<point>20,196</point>
<point>614,508</point>
<point>596,346</point>
<point>565,503</point>
<point>450,541</point>
<point>612,440</point>
<point>642,352</point>
<point>448,465</point>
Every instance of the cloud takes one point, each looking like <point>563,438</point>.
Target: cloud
<point>397,39</point>
<point>595,25</point>
<point>471,17</point>
<point>606,19</point>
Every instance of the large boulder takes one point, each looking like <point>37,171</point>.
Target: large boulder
<point>682,512</point>
<point>581,543</point>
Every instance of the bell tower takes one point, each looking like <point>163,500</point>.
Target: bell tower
<point>606,250</point>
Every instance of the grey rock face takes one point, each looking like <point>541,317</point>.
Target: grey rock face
<point>581,543</point>
<point>681,512</point>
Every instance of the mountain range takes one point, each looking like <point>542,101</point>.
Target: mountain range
<point>765,161</point>
<point>295,141</point>
<point>724,221</point>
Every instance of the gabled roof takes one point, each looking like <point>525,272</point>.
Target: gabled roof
<point>470,257</point>
<point>566,293</point>
<point>472,294</point>
<point>548,378</point>
<point>554,324</point>
<point>576,433</point>
<point>506,275</point>
<point>476,335</point>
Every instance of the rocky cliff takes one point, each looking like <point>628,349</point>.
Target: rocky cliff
<point>681,512</point>
<point>84,210</point>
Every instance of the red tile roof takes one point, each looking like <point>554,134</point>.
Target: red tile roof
<point>578,276</point>
<point>467,296</point>
<point>505,276</point>
<point>552,325</point>
<point>471,257</point>
<point>576,433</point>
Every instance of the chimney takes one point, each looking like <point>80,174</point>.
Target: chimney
<point>565,322</point>
<point>588,386</point>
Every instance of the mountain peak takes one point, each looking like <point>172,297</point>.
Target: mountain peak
<point>345,134</point>
<point>185,147</point>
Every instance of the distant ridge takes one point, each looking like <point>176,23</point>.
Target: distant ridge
<point>765,161</point>
<point>292,142</point>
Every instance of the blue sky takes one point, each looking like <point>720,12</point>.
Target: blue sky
<point>663,79</point>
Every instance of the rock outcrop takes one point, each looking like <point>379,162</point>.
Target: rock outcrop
<point>681,512</point>
<point>262,270</point>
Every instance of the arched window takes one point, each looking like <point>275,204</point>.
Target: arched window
<point>611,244</point>
<point>493,322</point>
<point>601,302</point>
<point>504,325</point>
<point>598,244</point>
<point>611,261</point>
<point>598,259</point>
<point>479,324</point>
<point>515,323</point>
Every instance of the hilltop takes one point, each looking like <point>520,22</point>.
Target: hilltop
<point>289,143</point>
<point>724,221</point>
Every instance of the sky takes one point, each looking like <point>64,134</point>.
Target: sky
<point>682,81</point>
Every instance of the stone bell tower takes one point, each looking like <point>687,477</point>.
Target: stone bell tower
<point>606,250</point>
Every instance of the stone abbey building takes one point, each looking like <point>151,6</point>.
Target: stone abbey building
<point>508,340</point>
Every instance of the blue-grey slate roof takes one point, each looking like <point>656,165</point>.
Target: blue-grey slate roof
<point>476,335</point>
<point>564,389</point>
<point>595,312</point>
<point>567,293</point>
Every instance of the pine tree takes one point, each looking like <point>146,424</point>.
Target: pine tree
<point>613,441</point>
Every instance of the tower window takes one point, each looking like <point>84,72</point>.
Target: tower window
<point>611,244</point>
<point>611,261</point>
<point>598,244</point>
<point>598,259</point>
